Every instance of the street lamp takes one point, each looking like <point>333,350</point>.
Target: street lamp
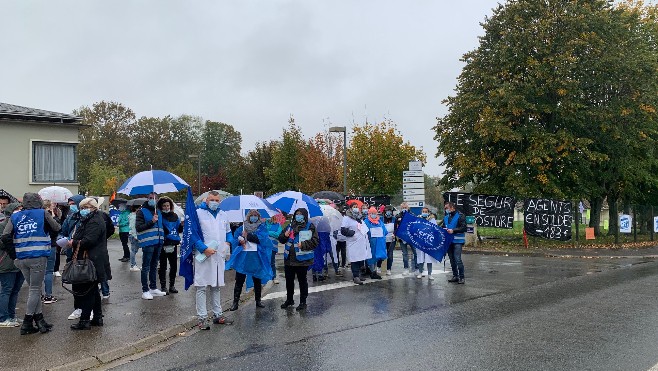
<point>342,129</point>
<point>199,176</point>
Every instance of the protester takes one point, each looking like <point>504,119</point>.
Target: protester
<point>300,239</point>
<point>11,278</point>
<point>377,238</point>
<point>274,229</point>
<point>455,224</point>
<point>172,229</point>
<point>358,246</point>
<point>252,250</point>
<point>134,245</point>
<point>124,231</point>
<point>341,248</point>
<point>4,201</point>
<point>423,257</point>
<point>150,236</point>
<point>90,237</point>
<point>109,231</point>
<point>209,262</point>
<point>389,223</point>
<point>28,231</point>
<point>48,297</point>
<point>68,227</point>
<point>410,266</point>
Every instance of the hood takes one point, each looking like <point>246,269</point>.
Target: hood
<point>164,199</point>
<point>77,199</point>
<point>9,209</point>
<point>303,212</point>
<point>32,201</point>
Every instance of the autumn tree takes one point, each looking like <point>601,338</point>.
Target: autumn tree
<point>103,179</point>
<point>376,157</point>
<point>256,163</point>
<point>323,165</point>
<point>284,173</point>
<point>219,158</point>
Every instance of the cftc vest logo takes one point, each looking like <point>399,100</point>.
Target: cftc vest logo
<point>27,225</point>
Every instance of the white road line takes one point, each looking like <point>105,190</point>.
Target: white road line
<point>654,368</point>
<point>340,285</point>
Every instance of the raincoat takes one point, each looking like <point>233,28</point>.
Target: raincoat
<point>216,234</point>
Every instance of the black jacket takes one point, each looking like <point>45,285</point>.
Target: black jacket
<point>461,223</point>
<point>90,237</point>
<point>306,245</point>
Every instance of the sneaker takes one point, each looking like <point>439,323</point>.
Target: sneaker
<point>461,281</point>
<point>124,260</point>
<point>106,296</point>
<point>339,273</point>
<point>76,314</point>
<point>17,320</point>
<point>430,277</point>
<point>388,273</point>
<point>57,274</point>
<point>276,282</point>
<point>147,296</point>
<point>49,299</point>
<point>135,268</point>
<point>9,323</point>
<point>156,292</point>
<point>203,324</point>
<point>453,279</point>
<point>221,320</point>
<point>419,276</point>
<point>357,280</point>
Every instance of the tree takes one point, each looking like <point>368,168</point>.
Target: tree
<point>221,156</point>
<point>323,165</point>
<point>256,163</point>
<point>376,157</point>
<point>103,179</point>
<point>286,161</point>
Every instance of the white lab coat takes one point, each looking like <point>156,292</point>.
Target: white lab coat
<point>358,246</point>
<point>421,257</point>
<point>210,272</point>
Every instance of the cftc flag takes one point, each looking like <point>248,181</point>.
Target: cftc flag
<point>191,235</point>
<point>424,235</point>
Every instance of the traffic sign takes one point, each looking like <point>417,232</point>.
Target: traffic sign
<point>413,179</point>
<point>413,191</point>
<point>413,197</point>
<point>413,186</point>
<point>412,173</point>
<point>416,204</point>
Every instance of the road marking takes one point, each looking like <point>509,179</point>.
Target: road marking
<point>340,285</point>
<point>654,368</point>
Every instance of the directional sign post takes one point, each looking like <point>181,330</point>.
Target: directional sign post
<point>413,185</point>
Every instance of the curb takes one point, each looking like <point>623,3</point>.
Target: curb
<point>554,255</point>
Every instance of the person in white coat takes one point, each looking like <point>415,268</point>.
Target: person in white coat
<point>423,257</point>
<point>209,260</point>
<point>356,236</point>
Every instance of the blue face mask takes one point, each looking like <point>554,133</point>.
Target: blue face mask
<point>253,219</point>
<point>152,202</point>
<point>424,215</point>
<point>389,214</point>
<point>74,209</point>
<point>213,205</point>
<point>299,218</point>
<point>84,212</point>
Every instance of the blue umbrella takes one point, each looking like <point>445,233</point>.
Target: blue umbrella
<point>236,207</point>
<point>289,201</point>
<point>158,181</point>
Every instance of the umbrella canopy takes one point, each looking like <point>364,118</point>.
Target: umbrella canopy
<point>55,194</point>
<point>12,199</point>
<point>289,201</point>
<point>236,207</point>
<point>118,201</point>
<point>158,181</point>
<point>330,221</point>
<point>357,202</point>
<point>222,195</point>
<point>136,201</point>
<point>329,195</point>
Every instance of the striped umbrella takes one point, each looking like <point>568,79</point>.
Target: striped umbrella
<point>158,181</point>
<point>237,207</point>
<point>289,201</point>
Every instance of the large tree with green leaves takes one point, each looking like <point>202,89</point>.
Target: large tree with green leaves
<point>376,157</point>
<point>257,161</point>
<point>221,156</point>
<point>284,173</point>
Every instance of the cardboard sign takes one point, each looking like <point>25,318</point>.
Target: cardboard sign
<point>589,233</point>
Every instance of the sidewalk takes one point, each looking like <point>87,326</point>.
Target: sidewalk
<point>131,323</point>
<point>645,252</point>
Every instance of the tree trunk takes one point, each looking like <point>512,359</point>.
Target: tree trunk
<point>595,214</point>
<point>613,209</point>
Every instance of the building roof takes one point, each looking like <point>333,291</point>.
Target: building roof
<point>20,113</point>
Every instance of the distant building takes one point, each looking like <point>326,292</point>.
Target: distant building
<point>38,149</point>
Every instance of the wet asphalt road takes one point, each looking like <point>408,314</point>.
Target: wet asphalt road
<point>514,313</point>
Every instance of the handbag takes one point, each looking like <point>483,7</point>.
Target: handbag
<point>79,271</point>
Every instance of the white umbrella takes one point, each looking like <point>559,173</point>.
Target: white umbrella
<point>158,181</point>
<point>290,201</point>
<point>330,221</point>
<point>55,194</point>
<point>237,206</point>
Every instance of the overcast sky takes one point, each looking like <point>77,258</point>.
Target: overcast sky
<point>250,64</point>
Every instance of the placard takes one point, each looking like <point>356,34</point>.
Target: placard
<point>625,223</point>
<point>488,210</point>
<point>548,218</point>
<point>589,233</point>
<point>655,224</point>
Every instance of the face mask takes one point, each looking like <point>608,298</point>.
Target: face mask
<point>355,210</point>
<point>299,218</point>
<point>122,207</point>
<point>373,216</point>
<point>424,215</point>
<point>389,214</point>
<point>152,202</point>
<point>74,209</point>
<point>84,212</point>
<point>213,205</point>
<point>364,211</point>
<point>253,219</point>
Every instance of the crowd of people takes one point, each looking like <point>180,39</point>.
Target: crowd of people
<point>36,232</point>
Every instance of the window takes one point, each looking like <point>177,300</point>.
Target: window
<point>54,162</point>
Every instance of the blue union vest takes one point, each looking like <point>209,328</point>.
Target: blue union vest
<point>452,224</point>
<point>172,227</point>
<point>299,254</point>
<point>30,237</point>
<point>153,235</point>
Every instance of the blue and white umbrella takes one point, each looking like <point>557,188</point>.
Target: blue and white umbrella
<point>158,181</point>
<point>289,201</point>
<point>237,207</point>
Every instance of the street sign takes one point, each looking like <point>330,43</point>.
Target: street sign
<point>412,173</point>
<point>413,197</point>
<point>415,165</point>
<point>413,186</point>
<point>416,204</point>
<point>413,179</point>
<point>413,191</point>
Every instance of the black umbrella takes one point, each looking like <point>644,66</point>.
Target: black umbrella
<point>118,201</point>
<point>136,202</point>
<point>5,193</point>
<point>328,195</point>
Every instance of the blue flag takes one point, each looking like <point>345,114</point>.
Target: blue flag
<point>424,235</point>
<point>191,235</point>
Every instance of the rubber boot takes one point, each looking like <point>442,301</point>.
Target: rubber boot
<point>172,289</point>
<point>41,323</point>
<point>28,327</point>
<point>236,298</point>
<point>258,289</point>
